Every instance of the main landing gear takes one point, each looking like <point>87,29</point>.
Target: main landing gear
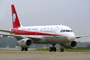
<point>24,49</point>
<point>53,48</point>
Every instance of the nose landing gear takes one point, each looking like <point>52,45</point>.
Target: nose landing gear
<point>61,49</point>
<point>53,48</point>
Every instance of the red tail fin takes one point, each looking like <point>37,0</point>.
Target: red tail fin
<point>15,20</point>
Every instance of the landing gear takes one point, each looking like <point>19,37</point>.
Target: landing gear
<point>52,48</point>
<point>61,49</point>
<point>24,49</point>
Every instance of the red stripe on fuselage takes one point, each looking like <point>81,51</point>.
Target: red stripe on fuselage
<point>23,32</point>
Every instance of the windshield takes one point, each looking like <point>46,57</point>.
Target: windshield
<point>66,31</point>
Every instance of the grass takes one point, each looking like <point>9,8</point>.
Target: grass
<point>66,50</point>
<point>76,51</point>
<point>82,48</point>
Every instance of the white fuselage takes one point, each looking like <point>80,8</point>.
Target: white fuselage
<point>57,33</point>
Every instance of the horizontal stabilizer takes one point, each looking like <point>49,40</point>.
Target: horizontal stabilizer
<point>8,31</point>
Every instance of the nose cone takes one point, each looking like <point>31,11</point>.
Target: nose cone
<point>71,37</point>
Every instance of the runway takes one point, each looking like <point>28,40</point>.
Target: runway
<point>17,48</point>
<point>42,55</point>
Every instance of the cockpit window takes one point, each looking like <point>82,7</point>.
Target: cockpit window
<point>66,31</point>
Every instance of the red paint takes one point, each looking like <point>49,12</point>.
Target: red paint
<point>16,24</point>
<point>23,32</point>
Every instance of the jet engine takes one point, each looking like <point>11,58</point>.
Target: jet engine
<point>25,42</point>
<point>69,45</point>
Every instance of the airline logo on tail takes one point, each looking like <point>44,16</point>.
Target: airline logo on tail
<point>14,17</point>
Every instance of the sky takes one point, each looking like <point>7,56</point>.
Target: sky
<point>73,13</point>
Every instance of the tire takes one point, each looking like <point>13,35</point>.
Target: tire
<point>22,49</point>
<point>61,49</point>
<point>51,49</point>
<point>26,49</point>
<point>54,49</point>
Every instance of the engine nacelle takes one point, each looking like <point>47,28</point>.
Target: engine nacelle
<point>25,42</point>
<point>70,45</point>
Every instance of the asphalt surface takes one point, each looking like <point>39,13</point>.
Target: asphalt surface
<point>42,55</point>
<point>17,48</point>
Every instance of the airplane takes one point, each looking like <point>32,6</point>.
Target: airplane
<point>48,34</point>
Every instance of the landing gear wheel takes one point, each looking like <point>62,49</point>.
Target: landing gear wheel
<point>22,49</point>
<point>26,49</point>
<point>61,49</point>
<point>52,49</point>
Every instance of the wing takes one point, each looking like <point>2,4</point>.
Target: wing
<point>7,35</point>
<point>20,37</point>
<point>77,37</point>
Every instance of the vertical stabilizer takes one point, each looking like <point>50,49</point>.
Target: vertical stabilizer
<point>15,20</point>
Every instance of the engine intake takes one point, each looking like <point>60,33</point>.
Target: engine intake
<point>73,44</point>
<point>25,42</point>
<point>28,42</point>
<point>69,45</point>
